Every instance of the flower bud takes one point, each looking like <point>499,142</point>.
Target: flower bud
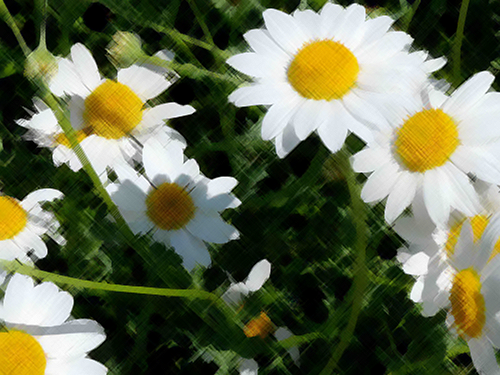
<point>125,49</point>
<point>41,65</point>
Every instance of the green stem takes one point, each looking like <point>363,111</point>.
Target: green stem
<point>360,283</point>
<point>296,341</point>
<point>179,37</point>
<point>457,44</point>
<point>9,20</point>
<point>41,6</point>
<point>409,17</point>
<point>188,70</point>
<point>201,21</point>
<point>17,267</point>
<point>65,125</point>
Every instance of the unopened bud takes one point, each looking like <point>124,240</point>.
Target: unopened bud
<point>41,65</point>
<point>125,49</point>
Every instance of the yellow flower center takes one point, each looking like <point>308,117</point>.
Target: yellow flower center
<point>63,140</point>
<point>170,206</point>
<point>260,326</point>
<point>112,110</point>
<point>21,354</point>
<point>467,303</point>
<point>13,217</point>
<point>426,140</point>
<point>323,69</point>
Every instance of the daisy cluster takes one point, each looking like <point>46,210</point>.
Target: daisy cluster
<point>433,153</point>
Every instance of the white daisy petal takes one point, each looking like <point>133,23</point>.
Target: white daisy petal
<point>211,228</point>
<point>191,249</point>
<point>333,131</point>
<point>39,196</point>
<point>469,93</point>
<point>464,198</point>
<point>255,65</point>
<point>67,80</point>
<point>369,159</point>
<point>284,29</point>
<point>262,43</point>
<point>307,118</point>
<point>416,264</point>
<point>286,142</point>
<point>309,22</point>
<point>351,31</point>
<point>78,366</point>
<point>159,113</point>
<point>330,15</point>
<point>85,66</point>
<point>483,356</point>
<point>258,275</point>
<point>144,82</point>
<point>380,183</point>
<point>436,195</point>
<point>375,28</point>
<point>479,161</point>
<point>278,117</point>
<point>249,367</point>
<point>162,159</point>
<point>416,291</point>
<point>220,185</point>
<point>401,196</point>
<point>257,94</point>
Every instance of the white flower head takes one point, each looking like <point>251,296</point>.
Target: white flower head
<point>430,147</point>
<point>41,338</point>
<point>176,203</point>
<point>110,117</point>
<point>326,72</point>
<point>258,275</point>
<point>469,289</point>
<point>22,223</point>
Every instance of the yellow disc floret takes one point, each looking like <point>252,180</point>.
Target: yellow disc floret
<point>112,110</point>
<point>323,69</point>
<point>170,206</point>
<point>478,223</point>
<point>426,140</point>
<point>13,217</point>
<point>63,140</point>
<point>21,354</point>
<point>467,304</point>
<point>260,326</point>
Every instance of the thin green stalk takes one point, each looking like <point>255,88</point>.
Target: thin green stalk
<point>9,20</point>
<point>17,267</point>
<point>457,43</point>
<point>295,341</point>
<point>360,283</point>
<point>409,16</point>
<point>201,21</point>
<point>65,124</point>
<point>188,70</point>
<point>179,37</point>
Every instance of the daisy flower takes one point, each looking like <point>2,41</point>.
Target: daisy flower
<point>469,290</point>
<point>176,203</point>
<point>40,337</point>
<point>262,325</point>
<point>22,223</point>
<point>324,72</point>
<point>430,249</point>
<point>110,117</point>
<point>432,143</point>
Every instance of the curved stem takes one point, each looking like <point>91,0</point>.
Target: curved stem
<point>188,70</point>
<point>409,17</point>
<point>9,20</point>
<point>457,44</point>
<point>360,283</point>
<point>201,21</point>
<point>15,266</point>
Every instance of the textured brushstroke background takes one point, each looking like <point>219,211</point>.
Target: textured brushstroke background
<point>294,212</point>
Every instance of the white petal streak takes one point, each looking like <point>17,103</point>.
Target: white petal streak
<point>255,65</point>
<point>159,159</point>
<point>286,142</point>
<point>401,196</point>
<point>278,116</point>
<point>144,82</point>
<point>258,275</point>
<point>436,195</point>
<point>157,114</point>
<point>307,117</point>
<point>464,198</point>
<point>285,30</point>
<point>375,28</point>
<point>309,22</point>
<point>258,94</point>
<point>483,356</point>
<point>331,14</point>
<point>38,196</point>
<point>264,45</point>
<point>380,183</point>
<point>469,93</point>
<point>192,250</point>
<point>351,31</point>
<point>479,161</point>
<point>85,66</point>
<point>369,159</point>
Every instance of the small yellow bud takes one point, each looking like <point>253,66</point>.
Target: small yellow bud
<point>125,49</point>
